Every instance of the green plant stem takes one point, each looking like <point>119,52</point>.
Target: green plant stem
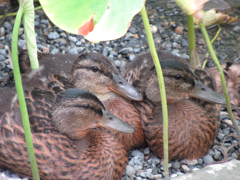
<point>191,37</point>
<point>21,99</point>
<point>161,87</point>
<point>215,59</point>
<point>15,13</point>
<point>215,37</point>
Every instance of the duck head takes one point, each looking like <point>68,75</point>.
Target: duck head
<point>97,74</point>
<point>180,82</point>
<point>77,111</point>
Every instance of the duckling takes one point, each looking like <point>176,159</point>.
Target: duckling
<point>193,123</point>
<point>75,148</point>
<point>95,73</point>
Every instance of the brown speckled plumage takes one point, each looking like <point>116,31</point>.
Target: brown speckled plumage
<point>193,123</point>
<point>83,76</point>
<point>97,155</point>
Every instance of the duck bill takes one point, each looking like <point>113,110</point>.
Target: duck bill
<point>203,92</point>
<point>122,87</point>
<point>110,121</point>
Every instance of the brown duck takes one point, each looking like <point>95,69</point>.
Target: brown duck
<point>95,73</point>
<point>193,123</point>
<point>74,147</point>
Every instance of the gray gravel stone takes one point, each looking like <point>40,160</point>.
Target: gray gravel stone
<point>137,153</point>
<point>176,165</point>
<point>105,51</point>
<point>142,174</point>
<point>73,51</point>
<point>146,150</point>
<point>2,31</point>
<point>3,52</point>
<point>126,50</point>
<point>61,41</point>
<point>72,38</point>
<point>236,29</point>
<point>2,58</point>
<point>130,170</point>
<point>53,35</point>
<point>208,159</point>
<point>185,168</point>
<point>54,51</point>
<point>44,21</point>
<point>132,57</point>
<point>22,44</point>
<point>118,63</point>
<point>8,26</point>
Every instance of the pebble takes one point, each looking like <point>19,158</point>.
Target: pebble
<point>53,35</point>
<point>200,41</point>
<point>137,153</point>
<point>118,63</point>
<point>54,51</point>
<point>126,50</point>
<point>236,29</point>
<point>44,21</point>
<point>72,38</point>
<point>185,168</point>
<point>73,51</point>
<point>105,51</point>
<point>176,165</point>
<point>2,31</point>
<point>22,44</point>
<point>2,57</point>
<point>8,26</point>
<point>130,170</point>
<point>61,41</point>
<point>208,159</point>
<point>131,57</point>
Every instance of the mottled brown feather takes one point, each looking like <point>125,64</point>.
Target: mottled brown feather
<point>193,123</point>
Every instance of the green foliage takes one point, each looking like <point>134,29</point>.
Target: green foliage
<point>97,20</point>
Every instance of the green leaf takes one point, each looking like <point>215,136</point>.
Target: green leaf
<point>29,31</point>
<point>97,20</point>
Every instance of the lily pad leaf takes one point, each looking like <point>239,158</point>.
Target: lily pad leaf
<point>29,31</point>
<point>97,20</point>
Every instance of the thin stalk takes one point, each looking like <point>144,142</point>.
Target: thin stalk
<point>191,37</point>
<point>161,87</point>
<point>215,37</point>
<point>15,13</point>
<point>215,59</point>
<point>21,99</point>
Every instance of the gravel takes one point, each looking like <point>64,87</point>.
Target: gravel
<point>165,18</point>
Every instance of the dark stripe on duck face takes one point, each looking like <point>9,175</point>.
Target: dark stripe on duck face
<point>108,74</point>
<point>188,81</point>
<point>171,64</point>
<point>98,111</point>
<point>98,58</point>
<point>74,93</point>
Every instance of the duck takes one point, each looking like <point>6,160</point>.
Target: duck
<point>193,105</point>
<point>76,147</point>
<point>97,74</point>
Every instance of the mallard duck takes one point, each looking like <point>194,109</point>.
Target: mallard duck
<point>193,123</point>
<point>74,148</point>
<point>95,73</point>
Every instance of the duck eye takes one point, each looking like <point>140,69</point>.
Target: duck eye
<point>178,76</point>
<point>86,106</point>
<point>94,68</point>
